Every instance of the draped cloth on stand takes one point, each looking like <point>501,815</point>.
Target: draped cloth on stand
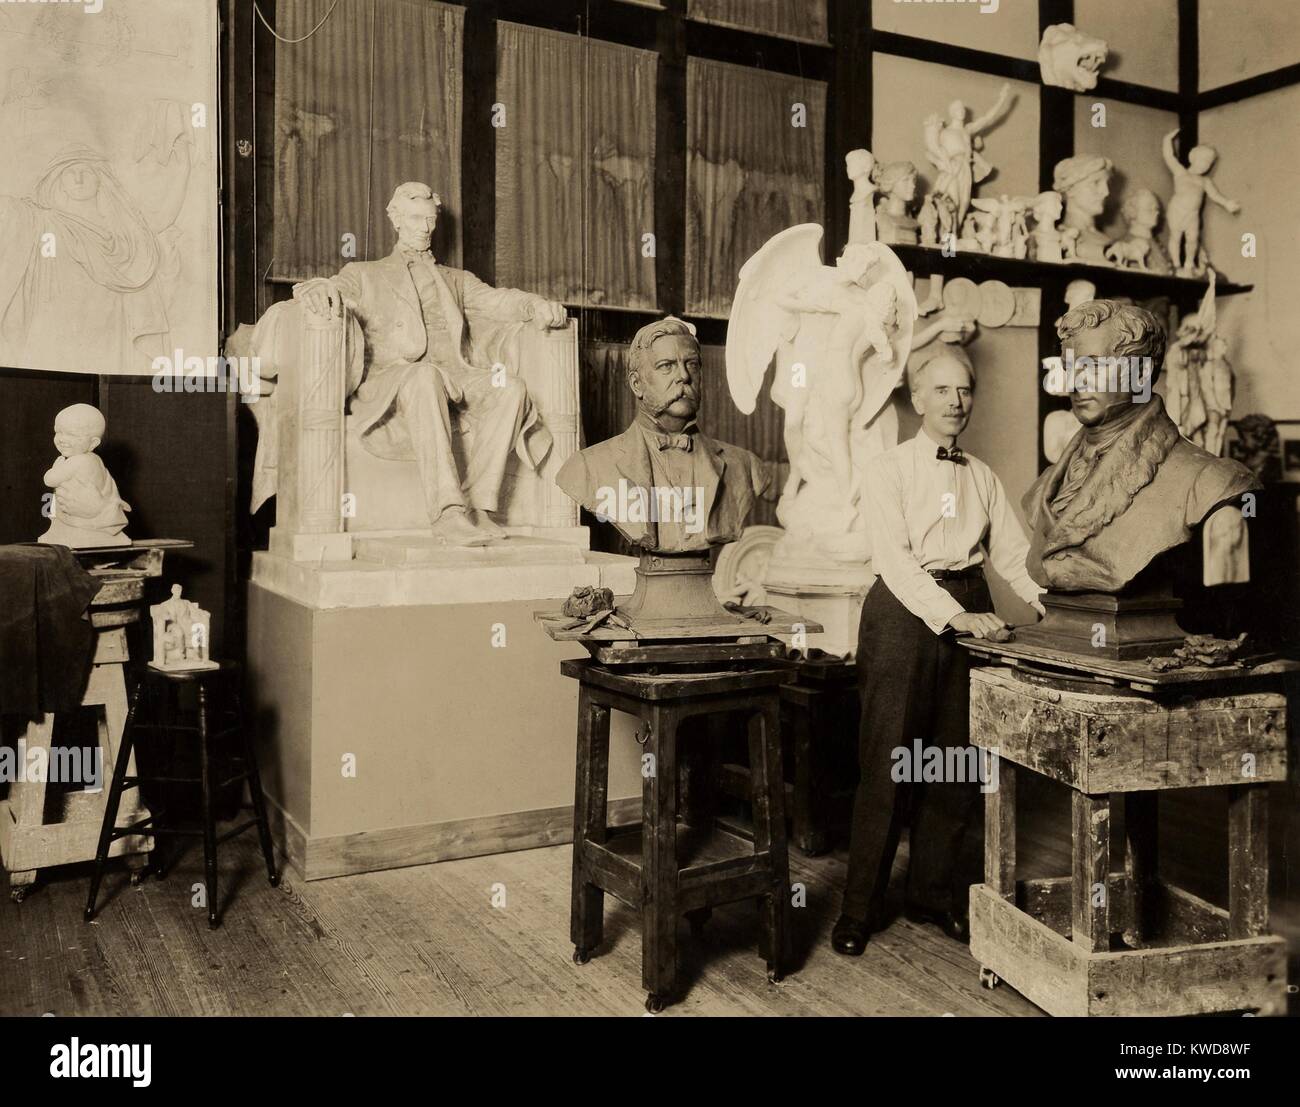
<point>46,640</point>
<point>369,101</point>
<point>754,166</point>
<point>575,168</point>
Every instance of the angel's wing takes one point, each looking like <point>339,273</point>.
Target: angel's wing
<point>757,324</point>
<point>880,385</point>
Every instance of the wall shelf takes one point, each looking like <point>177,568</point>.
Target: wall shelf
<point>1110,280</point>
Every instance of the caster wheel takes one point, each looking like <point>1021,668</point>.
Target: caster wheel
<point>213,922</point>
<point>17,894</point>
<point>138,877</point>
<point>581,956</point>
<point>275,881</point>
<point>774,977</point>
<point>988,978</point>
<point>654,1003</point>
<point>88,915</point>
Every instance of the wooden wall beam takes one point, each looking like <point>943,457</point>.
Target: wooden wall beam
<point>848,111</point>
<point>1189,60</point>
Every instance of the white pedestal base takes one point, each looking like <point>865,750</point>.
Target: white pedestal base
<point>409,714</point>
<point>838,613</point>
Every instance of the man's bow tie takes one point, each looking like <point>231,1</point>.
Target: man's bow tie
<point>675,442</point>
<point>954,455</point>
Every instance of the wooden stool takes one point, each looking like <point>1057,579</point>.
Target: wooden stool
<point>819,727</point>
<point>1128,943</point>
<point>208,730</point>
<point>657,867</point>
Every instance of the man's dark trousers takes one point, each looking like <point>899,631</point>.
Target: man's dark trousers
<point>914,684</point>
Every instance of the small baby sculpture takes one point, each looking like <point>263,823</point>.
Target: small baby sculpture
<point>85,510</point>
<point>1192,185</point>
<point>180,634</point>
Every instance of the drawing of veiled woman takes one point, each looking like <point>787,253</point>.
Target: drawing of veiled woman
<point>79,273</point>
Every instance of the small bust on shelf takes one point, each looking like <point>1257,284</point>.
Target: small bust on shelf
<point>180,635</point>
<point>894,224</point>
<point>1139,247</point>
<point>86,510</point>
<point>664,484</point>
<point>1048,241</point>
<point>1084,181</point>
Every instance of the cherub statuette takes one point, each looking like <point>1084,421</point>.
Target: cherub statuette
<point>1192,185</point>
<point>87,511</point>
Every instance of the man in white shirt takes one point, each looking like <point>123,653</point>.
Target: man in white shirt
<point>936,515</point>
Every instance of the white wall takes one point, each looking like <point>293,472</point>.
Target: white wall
<point>1259,163</point>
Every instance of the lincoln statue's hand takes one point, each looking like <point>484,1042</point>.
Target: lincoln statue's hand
<point>320,296</point>
<point>549,314</point>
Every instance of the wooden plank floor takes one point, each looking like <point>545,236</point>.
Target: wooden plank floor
<point>429,941</point>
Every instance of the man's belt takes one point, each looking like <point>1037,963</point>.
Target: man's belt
<point>973,572</point>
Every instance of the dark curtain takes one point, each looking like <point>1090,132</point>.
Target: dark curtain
<point>750,170</point>
<point>370,100</point>
<point>575,168</point>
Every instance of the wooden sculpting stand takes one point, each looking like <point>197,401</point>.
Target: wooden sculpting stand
<point>662,867</point>
<point>1127,943</point>
<point>819,729</point>
<point>32,839</point>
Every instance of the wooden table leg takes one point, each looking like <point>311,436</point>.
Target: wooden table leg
<point>1141,849</point>
<point>659,859</point>
<point>1090,913</point>
<point>1000,832</point>
<point>769,828</point>
<point>1247,860</point>
<point>810,810</point>
<point>587,907</point>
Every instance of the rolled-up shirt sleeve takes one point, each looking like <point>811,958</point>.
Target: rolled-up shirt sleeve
<point>891,551</point>
<point>1007,545</point>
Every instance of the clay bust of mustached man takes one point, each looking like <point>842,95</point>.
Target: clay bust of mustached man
<point>663,483</point>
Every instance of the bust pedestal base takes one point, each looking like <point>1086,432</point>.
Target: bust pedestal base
<point>1122,627</point>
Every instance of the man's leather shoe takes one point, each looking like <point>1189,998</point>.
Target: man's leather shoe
<point>956,926</point>
<point>850,936</point>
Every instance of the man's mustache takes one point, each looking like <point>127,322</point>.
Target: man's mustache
<point>681,393</point>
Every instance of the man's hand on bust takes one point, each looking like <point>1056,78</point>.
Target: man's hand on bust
<point>319,296</point>
<point>980,624</point>
<point>549,314</point>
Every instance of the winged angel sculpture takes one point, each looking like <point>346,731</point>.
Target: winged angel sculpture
<point>838,336</point>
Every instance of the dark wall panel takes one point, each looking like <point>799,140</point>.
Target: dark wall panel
<point>28,404</point>
<point>167,452</point>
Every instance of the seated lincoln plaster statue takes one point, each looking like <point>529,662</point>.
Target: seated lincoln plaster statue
<point>663,483</point>
<point>416,315</point>
<point>1128,487</point>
